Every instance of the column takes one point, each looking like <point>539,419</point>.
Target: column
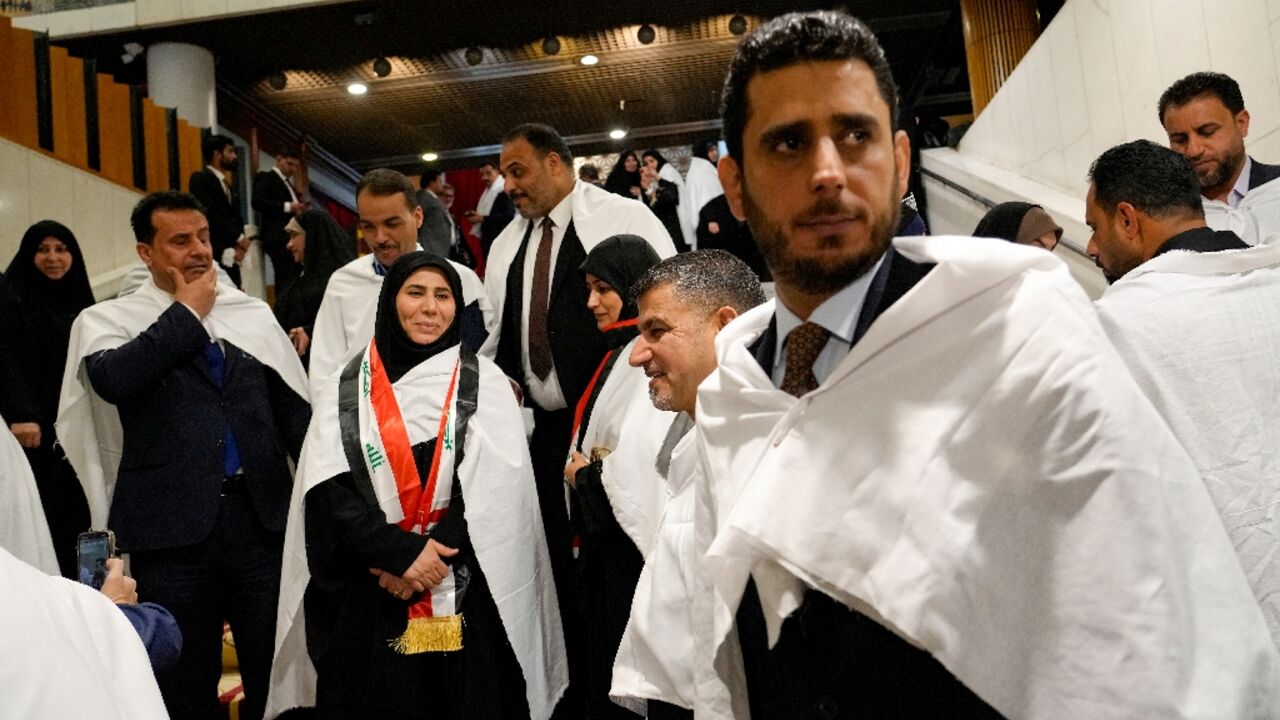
<point>997,33</point>
<point>181,76</point>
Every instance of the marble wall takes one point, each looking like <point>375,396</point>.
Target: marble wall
<point>36,187</point>
<point>1094,77</point>
<point>145,13</point>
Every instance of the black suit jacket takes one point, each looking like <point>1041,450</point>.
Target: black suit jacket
<point>434,234</point>
<point>1260,174</point>
<point>225,223</point>
<point>831,661</point>
<point>175,422</point>
<point>576,345</point>
<point>500,215</point>
<point>270,193</point>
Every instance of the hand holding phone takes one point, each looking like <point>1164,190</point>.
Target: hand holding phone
<point>118,587</point>
<point>93,549</point>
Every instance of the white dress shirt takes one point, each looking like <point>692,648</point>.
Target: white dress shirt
<point>546,393</point>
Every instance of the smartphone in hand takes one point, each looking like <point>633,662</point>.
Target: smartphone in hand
<point>92,550</point>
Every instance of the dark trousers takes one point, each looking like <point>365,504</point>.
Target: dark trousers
<point>234,574</point>
<point>659,710</point>
<point>63,501</point>
<point>548,449</point>
<point>282,264</point>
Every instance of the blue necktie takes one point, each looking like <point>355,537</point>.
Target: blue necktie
<point>214,358</point>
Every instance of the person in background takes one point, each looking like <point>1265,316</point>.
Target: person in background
<point>624,178</point>
<point>702,185</point>
<point>276,201</point>
<point>1021,223</point>
<point>50,286</point>
<point>435,234</point>
<point>320,246</point>
<point>427,586</point>
<point>460,249</point>
<point>617,433</point>
<point>589,173</point>
<point>494,210</point>
<point>662,186</point>
<point>213,187</point>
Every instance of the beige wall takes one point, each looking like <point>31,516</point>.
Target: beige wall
<point>147,13</point>
<point>35,187</point>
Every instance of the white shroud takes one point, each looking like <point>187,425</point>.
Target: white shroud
<point>69,652</point>
<point>23,528</point>
<point>344,324</point>
<point>89,427</point>
<point>702,185</point>
<point>1256,220</point>
<point>981,475</point>
<point>503,521</point>
<point>1200,332</point>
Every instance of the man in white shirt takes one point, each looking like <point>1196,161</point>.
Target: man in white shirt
<point>276,201</point>
<point>494,210</point>
<point>1205,118</point>
<point>949,499</point>
<point>1195,315</point>
<point>389,222</point>
<point>545,337</point>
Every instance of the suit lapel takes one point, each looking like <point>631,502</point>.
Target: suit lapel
<point>568,259</point>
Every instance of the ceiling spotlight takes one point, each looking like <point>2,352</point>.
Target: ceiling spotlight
<point>737,24</point>
<point>474,55</point>
<point>589,60</point>
<point>646,34</point>
<point>277,80</point>
<point>357,88</point>
<point>381,67</point>
<point>617,133</point>
<point>551,45</point>
<point>430,157</point>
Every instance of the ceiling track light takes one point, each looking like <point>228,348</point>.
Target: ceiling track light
<point>381,66</point>
<point>277,80</point>
<point>551,45</point>
<point>737,24</point>
<point>474,55</point>
<point>646,34</point>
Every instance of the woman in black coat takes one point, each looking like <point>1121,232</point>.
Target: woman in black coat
<point>624,179</point>
<point>320,246</point>
<point>663,195</point>
<point>48,287</point>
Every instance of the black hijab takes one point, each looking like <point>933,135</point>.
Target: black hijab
<point>399,353</point>
<point>620,180</point>
<point>63,298</point>
<point>328,247</point>
<point>1004,221</point>
<point>656,156</point>
<point>620,260</point>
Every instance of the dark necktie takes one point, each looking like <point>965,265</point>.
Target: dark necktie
<point>539,347</point>
<point>803,346</point>
<point>214,359</point>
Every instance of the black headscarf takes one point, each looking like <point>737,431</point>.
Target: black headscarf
<point>399,353</point>
<point>1006,222</point>
<point>703,149</point>
<point>620,180</point>
<point>656,156</point>
<point>66,296</point>
<point>620,260</point>
<point>328,245</point>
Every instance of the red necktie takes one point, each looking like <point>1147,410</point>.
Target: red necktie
<point>803,347</point>
<point>539,347</point>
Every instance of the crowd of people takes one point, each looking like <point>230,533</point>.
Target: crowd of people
<point>742,442</point>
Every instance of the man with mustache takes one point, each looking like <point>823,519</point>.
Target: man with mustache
<point>181,406</point>
<point>389,220</point>
<point>546,339</point>
<point>1205,118</point>
<point>930,487</point>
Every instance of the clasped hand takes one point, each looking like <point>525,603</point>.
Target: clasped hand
<point>427,571</point>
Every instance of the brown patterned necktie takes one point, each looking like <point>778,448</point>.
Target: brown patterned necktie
<point>539,346</point>
<point>803,346</point>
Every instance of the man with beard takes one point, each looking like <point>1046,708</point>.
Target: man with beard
<point>1195,314</point>
<point>213,187</point>
<point>389,222</point>
<point>915,458</point>
<point>494,210</point>
<point>546,338</point>
<point>1205,118</point>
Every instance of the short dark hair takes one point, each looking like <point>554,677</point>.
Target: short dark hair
<point>589,171</point>
<point>543,138</point>
<point>704,279</point>
<point>289,153</point>
<point>1151,177</point>
<point>382,182</point>
<point>429,176</point>
<point>1202,83</point>
<point>490,162</point>
<point>797,38</point>
<point>144,231</point>
<point>213,144</point>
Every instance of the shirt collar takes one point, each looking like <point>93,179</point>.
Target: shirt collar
<point>562,213</point>
<point>381,270</point>
<point>276,170</point>
<point>1241,187</point>
<point>838,313</point>
<point>217,173</point>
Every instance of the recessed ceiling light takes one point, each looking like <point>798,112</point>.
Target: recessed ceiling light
<point>551,45</point>
<point>381,66</point>
<point>474,55</point>
<point>589,60</point>
<point>646,34</point>
<point>357,88</point>
<point>430,157</point>
<point>737,24</point>
<point>617,133</point>
<point>277,80</point>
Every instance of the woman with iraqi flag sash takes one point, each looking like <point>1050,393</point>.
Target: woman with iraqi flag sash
<point>415,547</point>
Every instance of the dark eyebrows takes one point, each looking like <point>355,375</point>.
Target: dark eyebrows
<point>776,134</point>
<point>846,122</point>
<point>856,121</point>
<point>647,324</point>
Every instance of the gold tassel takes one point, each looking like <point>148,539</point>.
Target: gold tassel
<point>430,634</point>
